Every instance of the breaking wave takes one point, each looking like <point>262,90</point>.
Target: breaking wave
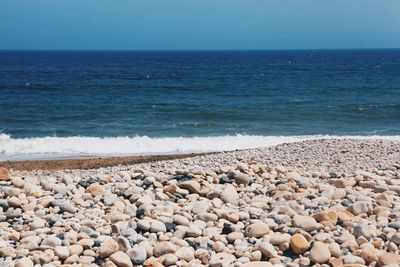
<point>59,147</point>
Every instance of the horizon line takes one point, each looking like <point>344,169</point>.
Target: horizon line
<point>193,50</point>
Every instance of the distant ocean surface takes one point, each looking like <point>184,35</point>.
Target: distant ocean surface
<point>56,104</point>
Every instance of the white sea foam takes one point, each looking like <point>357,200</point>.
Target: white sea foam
<point>58,147</point>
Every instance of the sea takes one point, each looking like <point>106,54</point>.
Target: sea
<point>56,104</point>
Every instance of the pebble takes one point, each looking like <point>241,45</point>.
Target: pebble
<point>24,262</point>
<point>121,259</point>
<point>305,222</point>
<point>163,248</point>
<point>319,252</point>
<point>299,244</point>
<point>137,254</point>
<point>267,250</point>
<point>4,174</point>
<point>107,247</point>
<point>257,230</point>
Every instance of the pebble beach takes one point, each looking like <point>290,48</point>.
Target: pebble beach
<point>314,203</point>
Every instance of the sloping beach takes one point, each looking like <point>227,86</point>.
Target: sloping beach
<point>324,202</point>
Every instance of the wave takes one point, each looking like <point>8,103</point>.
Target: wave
<point>59,147</point>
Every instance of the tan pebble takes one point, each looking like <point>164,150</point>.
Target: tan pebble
<point>95,190</point>
<point>4,174</point>
<point>72,259</point>
<point>107,248</point>
<point>370,254</point>
<point>299,244</point>
<point>305,222</point>
<point>164,248</point>
<point>75,250</point>
<point>62,252</point>
<point>389,259</point>
<point>258,229</point>
<point>328,215</point>
<point>7,252</point>
<point>319,252</point>
<point>121,259</point>
<point>24,262</point>
<point>275,261</point>
<point>336,262</point>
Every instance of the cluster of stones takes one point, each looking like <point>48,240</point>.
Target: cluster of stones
<point>248,214</point>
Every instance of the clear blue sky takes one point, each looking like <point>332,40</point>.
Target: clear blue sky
<point>198,24</point>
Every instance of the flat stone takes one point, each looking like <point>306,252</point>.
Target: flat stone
<point>305,222</point>
<point>51,241</point>
<point>257,230</point>
<point>180,220</point>
<point>157,226</point>
<point>24,262</point>
<point>121,259</point>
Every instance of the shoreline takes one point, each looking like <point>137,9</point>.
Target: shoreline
<point>90,162</point>
<point>95,162</point>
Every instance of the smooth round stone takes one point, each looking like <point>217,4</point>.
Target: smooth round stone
<point>75,249</point>
<point>51,241</point>
<point>185,253</point>
<point>201,207</point>
<point>180,220</point>
<point>389,259</point>
<point>170,259</point>
<point>328,215</point>
<point>164,248</point>
<point>267,250</point>
<point>4,174</point>
<point>121,259</point>
<point>299,244</point>
<point>359,207</point>
<point>157,226</point>
<point>107,248</point>
<point>207,217</point>
<point>229,194</point>
<point>137,254</point>
<point>352,259</point>
<point>257,230</point>
<point>62,252</point>
<point>24,262</point>
<point>37,223</point>
<point>240,178</point>
<point>305,222</point>
<point>319,253</point>
<point>278,239</point>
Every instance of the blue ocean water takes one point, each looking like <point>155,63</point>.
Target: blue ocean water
<point>196,94</point>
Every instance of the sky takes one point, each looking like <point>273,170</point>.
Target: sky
<point>198,24</point>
